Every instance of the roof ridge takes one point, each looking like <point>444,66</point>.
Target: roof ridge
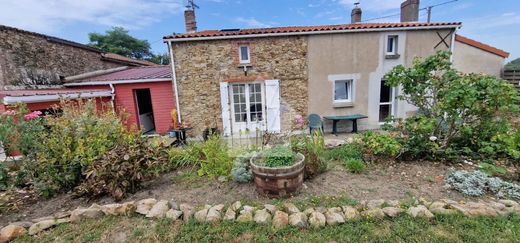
<point>53,38</point>
<point>296,30</point>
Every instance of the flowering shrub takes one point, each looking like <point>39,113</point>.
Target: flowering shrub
<point>75,139</point>
<point>478,184</point>
<point>21,130</point>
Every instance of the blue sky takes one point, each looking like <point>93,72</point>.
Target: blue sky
<point>493,22</point>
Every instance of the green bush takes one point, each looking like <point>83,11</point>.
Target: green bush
<point>181,157</point>
<point>381,144</point>
<point>75,139</point>
<point>313,148</point>
<point>122,170</point>
<point>346,151</point>
<point>21,130</point>
<point>278,156</point>
<point>356,166</point>
<point>215,159</point>
<point>458,113</point>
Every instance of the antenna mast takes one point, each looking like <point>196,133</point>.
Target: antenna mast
<point>429,9</point>
<point>191,5</point>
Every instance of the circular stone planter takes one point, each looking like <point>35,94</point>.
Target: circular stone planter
<point>278,181</point>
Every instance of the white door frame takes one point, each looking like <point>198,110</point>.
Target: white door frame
<point>392,102</point>
<point>237,127</point>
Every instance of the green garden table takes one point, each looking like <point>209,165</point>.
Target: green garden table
<point>353,118</point>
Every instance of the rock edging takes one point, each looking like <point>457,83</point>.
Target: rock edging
<point>278,217</point>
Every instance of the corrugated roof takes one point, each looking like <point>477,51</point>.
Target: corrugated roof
<point>481,46</point>
<point>136,73</point>
<point>296,30</point>
<point>33,92</point>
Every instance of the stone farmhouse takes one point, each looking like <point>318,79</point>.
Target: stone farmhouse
<point>240,80</point>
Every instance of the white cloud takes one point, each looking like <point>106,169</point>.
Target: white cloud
<point>252,22</point>
<point>373,5</point>
<point>50,16</point>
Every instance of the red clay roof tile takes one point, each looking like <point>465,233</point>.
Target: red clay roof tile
<point>303,29</point>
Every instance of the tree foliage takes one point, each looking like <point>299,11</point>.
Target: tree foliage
<point>118,41</point>
<point>513,65</point>
<point>470,111</point>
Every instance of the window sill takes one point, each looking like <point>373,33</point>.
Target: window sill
<point>342,104</point>
<point>392,56</point>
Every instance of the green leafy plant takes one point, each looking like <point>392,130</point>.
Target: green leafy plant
<point>214,158</point>
<point>122,170</point>
<point>457,111</point>
<point>381,144</point>
<point>492,170</point>
<point>356,166</point>
<point>313,149</point>
<point>74,140</point>
<point>346,151</point>
<point>21,130</point>
<point>278,156</point>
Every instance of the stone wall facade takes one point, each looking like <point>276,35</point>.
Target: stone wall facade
<point>201,66</point>
<point>28,58</point>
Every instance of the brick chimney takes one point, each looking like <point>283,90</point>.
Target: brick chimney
<point>189,18</point>
<point>410,11</point>
<point>356,14</point>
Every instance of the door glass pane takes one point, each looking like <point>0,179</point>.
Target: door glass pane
<point>386,92</point>
<point>255,102</point>
<point>384,112</point>
<point>239,102</point>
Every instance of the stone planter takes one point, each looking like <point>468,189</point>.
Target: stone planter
<point>278,181</point>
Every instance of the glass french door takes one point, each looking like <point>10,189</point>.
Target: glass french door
<point>386,102</point>
<point>247,107</point>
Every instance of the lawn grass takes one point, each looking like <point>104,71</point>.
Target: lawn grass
<point>455,228</point>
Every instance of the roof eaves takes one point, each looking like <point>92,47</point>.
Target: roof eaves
<point>288,31</point>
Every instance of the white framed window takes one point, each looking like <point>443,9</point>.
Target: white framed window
<point>244,54</point>
<point>343,90</point>
<point>391,45</point>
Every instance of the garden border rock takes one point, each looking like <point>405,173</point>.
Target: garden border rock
<point>278,217</point>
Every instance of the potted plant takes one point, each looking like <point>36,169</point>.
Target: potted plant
<point>278,171</point>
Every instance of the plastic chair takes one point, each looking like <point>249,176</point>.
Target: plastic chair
<point>315,122</point>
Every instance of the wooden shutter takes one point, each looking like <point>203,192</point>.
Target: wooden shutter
<point>224,103</point>
<point>272,96</point>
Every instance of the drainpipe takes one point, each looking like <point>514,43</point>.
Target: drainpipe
<point>174,78</point>
<point>452,47</point>
<point>113,92</point>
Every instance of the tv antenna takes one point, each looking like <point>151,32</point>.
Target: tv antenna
<point>191,5</point>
